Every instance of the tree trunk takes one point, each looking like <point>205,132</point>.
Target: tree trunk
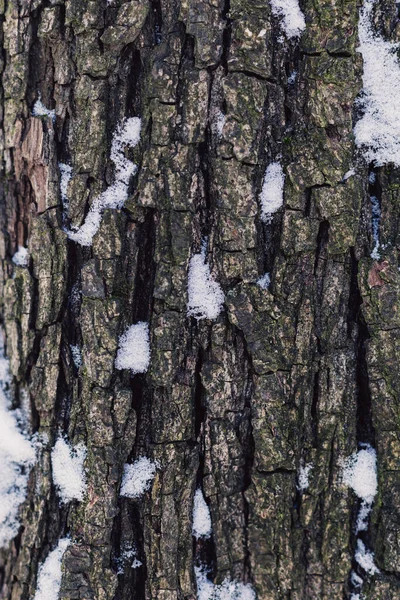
<point>259,406</point>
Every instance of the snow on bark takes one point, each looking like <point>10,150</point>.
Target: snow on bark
<point>360,473</point>
<point>365,558</point>
<point>264,281</point>
<point>115,196</point>
<point>49,574</point>
<point>377,133</point>
<point>227,590</point>
<point>17,457</point>
<point>68,472</point>
<point>76,355</point>
<point>205,296</point>
<point>137,478</point>
<point>202,527</point>
<point>40,110</point>
<point>303,476</point>
<point>21,257</point>
<point>134,349</point>
<point>289,11</point>
<point>271,196</point>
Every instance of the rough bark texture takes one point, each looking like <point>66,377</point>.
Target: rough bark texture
<point>303,371</point>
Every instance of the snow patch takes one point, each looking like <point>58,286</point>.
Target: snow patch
<point>76,355</point>
<point>360,473</point>
<point>293,22</point>
<point>137,478</point>
<point>49,575</point>
<point>365,558</point>
<point>292,78</point>
<point>134,349</point>
<point>264,281</point>
<point>303,476</point>
<point>115,196</point>
<point>271,196</point>
<point>17,457</point>
<point>40,110</point>
<point>377,133</point>
<point>205,296</point>
<point>68,472</point>
<point>202,527</point>
<point>228,590</point>
<point>21,258</point>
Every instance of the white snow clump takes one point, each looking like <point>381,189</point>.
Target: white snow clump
<point>17,457</point>
<point>264,281</point>
<point>40,110</point>
<point>134,349</point>
<point>303,476</point>
<point>49,575</point>
<point>293,22</point>
<point>137,478</point>
<point>68,472</point>
<point>21,258</point>
<point>271,196</point>
<point>202,527</point>
<point>205,296</point>
<point>360,473</point>
<point>365,558</point>
<point>377,133</point>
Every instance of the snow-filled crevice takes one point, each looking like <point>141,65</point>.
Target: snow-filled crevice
<point>204,551</point>
<point>360,469</point>
<point>128,555</point>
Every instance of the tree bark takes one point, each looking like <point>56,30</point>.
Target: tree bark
<point>298,374</point>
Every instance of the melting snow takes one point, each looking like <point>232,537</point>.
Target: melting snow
<point>68,472</point>
<point>21,258</point>
<point>293,22</point>
<point>49,575</point>
<point>206,297</point>
<point>137,478</point>
<point>202,527</point>
<point>127,134</point>
<point>134,349</point>
<point>17,457</point>
<point>271,197</point>
<point>377,133</point>
<point>228,590</point>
